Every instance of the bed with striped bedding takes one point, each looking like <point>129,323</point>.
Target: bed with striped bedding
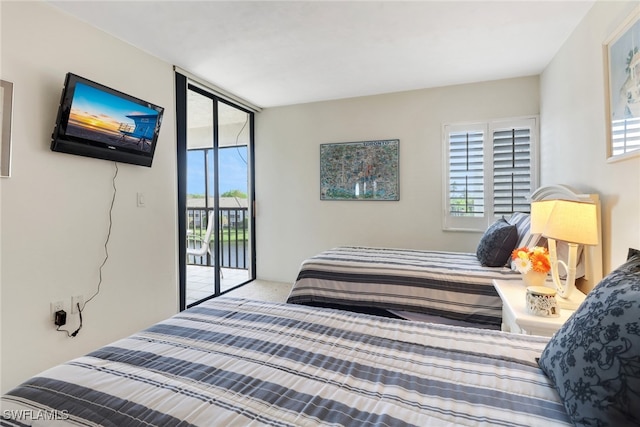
<point>452,285</point>
<point>233,362</point>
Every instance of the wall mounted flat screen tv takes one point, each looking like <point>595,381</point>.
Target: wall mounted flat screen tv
<point>97,121</point>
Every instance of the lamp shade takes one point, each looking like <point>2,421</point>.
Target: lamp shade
<point>574,222</point>
<point>540,212</point>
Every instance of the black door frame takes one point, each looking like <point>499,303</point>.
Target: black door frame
<point>182,86</point>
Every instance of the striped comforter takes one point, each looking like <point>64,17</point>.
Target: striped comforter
<point>231,362</point>
<point>448,284</point>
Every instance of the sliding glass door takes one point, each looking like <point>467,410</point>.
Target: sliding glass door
<point>216,175</point>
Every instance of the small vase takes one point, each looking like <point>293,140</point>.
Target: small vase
<point>534,278</point>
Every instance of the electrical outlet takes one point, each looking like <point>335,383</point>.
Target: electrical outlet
<point>55,306</point>
<point>75,300</point>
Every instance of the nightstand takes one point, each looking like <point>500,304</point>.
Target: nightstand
<point>515,317</point>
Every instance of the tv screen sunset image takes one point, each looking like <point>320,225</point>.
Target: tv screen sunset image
<point>100,116</point>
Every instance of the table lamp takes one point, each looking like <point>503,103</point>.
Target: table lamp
<point>569,221</point>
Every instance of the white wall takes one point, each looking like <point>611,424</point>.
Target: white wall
<point>573,130</point>
<point>292,222</point>
<point>54,209</point>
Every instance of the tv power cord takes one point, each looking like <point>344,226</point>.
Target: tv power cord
<point>61,315</point>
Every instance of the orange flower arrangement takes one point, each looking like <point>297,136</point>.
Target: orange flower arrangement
<point>536,259</point>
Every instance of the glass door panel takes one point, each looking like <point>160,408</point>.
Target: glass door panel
<point>233,184</point>
<point>219,194</point>
<point>201,201</point>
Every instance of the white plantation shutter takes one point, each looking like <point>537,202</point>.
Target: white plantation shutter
<point>511,170</point>
<point>466,174</point>
<point>465,183</point>
<point>491,169</point>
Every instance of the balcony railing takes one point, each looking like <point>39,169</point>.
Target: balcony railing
<point>234,236</point>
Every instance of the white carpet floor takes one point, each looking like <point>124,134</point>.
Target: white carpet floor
<point>263,290</point>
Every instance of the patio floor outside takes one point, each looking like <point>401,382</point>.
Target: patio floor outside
<point>200,281</point>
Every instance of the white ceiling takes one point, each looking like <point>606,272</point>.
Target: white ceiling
<point>275,53</point>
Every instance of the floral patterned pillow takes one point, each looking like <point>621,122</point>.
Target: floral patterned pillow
<point>594,359</point>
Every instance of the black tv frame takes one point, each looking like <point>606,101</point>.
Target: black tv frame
<point>89,147</point>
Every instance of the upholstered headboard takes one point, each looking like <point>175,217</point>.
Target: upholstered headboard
<point>592,254</point>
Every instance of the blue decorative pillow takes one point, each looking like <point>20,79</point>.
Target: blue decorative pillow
<point>594,359</point>
<point>497,243</point>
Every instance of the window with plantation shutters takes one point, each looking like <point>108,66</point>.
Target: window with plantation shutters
<point>491,170</point>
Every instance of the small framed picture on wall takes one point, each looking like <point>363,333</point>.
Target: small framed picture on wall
<point>6,106</point>
<point>622,74</point>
